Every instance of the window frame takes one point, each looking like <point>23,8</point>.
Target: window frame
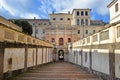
<point>78,22</point>
<point>77,13</point>
<point>54,19</point>
<point>116,7</point>
<point>61,19</point>
<point>86,13</point>
<point>82,13</point>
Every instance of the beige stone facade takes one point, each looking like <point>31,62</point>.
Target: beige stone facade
<point>114,8</point>
<point>70,27</point>
<point>64,28</point>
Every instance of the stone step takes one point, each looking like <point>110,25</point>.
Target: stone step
<point>35,78</point>
<point>57,71</point>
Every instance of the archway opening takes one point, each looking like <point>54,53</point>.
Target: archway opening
<point>61,55</point>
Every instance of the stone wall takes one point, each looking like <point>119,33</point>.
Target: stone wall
<point>20,52</point>
<point>99,54</point>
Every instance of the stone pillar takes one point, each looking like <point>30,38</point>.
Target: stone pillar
<point>46,56</point>
<point>112,61</point>
<point>1,60</point>
<point>42,55</point>
<point>90,53</point>
<point>26,52</point>
<point>36,56</point>
<point>82,58</point>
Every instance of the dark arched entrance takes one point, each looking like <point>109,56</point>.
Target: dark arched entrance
<point>61,55</point>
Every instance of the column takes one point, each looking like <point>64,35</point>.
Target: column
<point>26,52</point>
<point>112,61</point>
<point>1,60</point>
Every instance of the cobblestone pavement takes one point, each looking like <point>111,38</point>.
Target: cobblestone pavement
<point>57,71</point>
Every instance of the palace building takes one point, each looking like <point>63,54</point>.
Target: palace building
<point>64,28</point>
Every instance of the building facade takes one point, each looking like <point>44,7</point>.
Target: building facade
<point>114,8</point>
<point>69,27</point>
<point>64,28</point>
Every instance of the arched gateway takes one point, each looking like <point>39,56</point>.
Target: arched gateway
<point>61,55</point>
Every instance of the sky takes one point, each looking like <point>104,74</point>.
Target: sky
<point>28,9</point>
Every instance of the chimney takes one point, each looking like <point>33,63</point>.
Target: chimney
<point>34,18</point>
<point>68,12</point>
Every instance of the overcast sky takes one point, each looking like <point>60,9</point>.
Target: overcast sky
<point>41,8</point>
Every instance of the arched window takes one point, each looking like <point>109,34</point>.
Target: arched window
<point>53,40</point>
<point>61,41</point>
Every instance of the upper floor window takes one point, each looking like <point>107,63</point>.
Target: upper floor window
<point>116,7</point>
<point>82,13</point>
<point>78,31</point>
<point>61,18</point>
<point>77,13</point>
<point>93,31</point>
<point>78,21</point>
<point>86,13</point>
<point>54,18</point>
<point>86,21</point>
<point>69,39</point>
<point>82,21</point>
<point>86,31</point>
<point>43,31</point>
<point>52,40</point>
<point>33,23</point>
<point>45,24</point>
<point>36,31</point>
<point>68,19</point>
<point>61,41</point>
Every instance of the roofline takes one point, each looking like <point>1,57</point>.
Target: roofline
<point>114,1</point>
<point>60,14</point>
<point>30,19</point>
<point>81,9</point>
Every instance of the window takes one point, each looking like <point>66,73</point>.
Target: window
<point>82,22</point>
<point>69,39</point>
<point>116,7</point>
<point>61,41</point>
<point>36,31</point>
<point>78,31</point>
<point>86,31</point>
<point>47,40</point>
<point>78,21</point>
<point>43,31</point>
<point>77,13</point>
<point>82,13</point>
<point>86,13</point>
<point>86,21</point>
<point>54,18</point>
<point>45,24</point>
<point>52,40</point>
<point>61,18</point>
<point>93,31</point>
<point>68,19</point>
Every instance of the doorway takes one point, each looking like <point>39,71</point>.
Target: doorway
<point>61,55</point>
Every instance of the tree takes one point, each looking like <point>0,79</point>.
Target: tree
<point>27,28</point>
